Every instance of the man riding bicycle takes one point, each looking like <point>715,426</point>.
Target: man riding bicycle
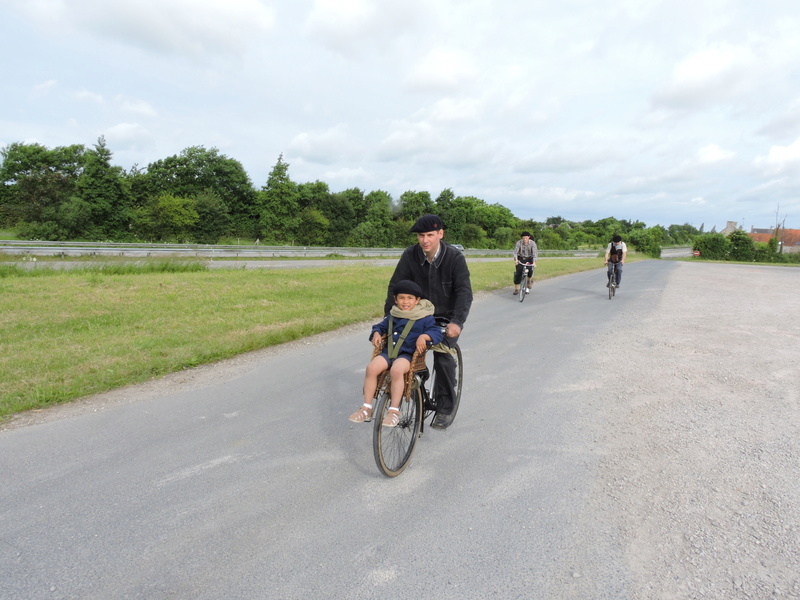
<point>441,271</point>
<point>616,252</point>
<point>525,252</point>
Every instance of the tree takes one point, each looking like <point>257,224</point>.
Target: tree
<point>196,170</point>
<point>644,241</point>
<point>376,230</point>
<point>75,218</point>
<point>415,204</point>
<point>504,237</point>
<point>102,187</point>
<point>336,208</point>
<point>462,210</point>
<point>444,202</point>
<point>213,218</point>
<point>712,246</point>
<point>313,228</point>
<point>741,246</point>
<point>474,236</point>
<point>35,181</point>
<point>167,218</point>
<point>279,205</point>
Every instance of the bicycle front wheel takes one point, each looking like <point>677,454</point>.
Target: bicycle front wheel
<point>522,282</point>
<point>393,446</point>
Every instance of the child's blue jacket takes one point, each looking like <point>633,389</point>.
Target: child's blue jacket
<point>424,325</point>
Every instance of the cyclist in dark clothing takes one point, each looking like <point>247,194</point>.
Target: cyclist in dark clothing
<point>441,271</point>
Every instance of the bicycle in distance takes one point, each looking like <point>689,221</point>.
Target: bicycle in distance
<point>393,446</point>
<point>612,281</point>
<point>526,281</point>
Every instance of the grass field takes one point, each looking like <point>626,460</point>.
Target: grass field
<point>67,334</point>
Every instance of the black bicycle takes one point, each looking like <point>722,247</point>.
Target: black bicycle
<point>393,446</point>
<point>527,273</point>
<point>612,281</point>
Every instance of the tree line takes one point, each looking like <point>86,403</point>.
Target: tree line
<point>203,196</point>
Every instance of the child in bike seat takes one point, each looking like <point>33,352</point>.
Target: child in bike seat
<point>411,326</point>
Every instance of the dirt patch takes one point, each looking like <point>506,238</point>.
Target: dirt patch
<point>701,448</point>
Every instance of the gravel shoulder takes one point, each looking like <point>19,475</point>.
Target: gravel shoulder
<point>700,443</point>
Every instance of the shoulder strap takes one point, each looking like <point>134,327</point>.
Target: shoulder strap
<point>394,349</point>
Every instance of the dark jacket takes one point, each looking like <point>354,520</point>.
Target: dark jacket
<point>446,282</point>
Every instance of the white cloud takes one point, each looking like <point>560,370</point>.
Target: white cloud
<point>126,136</point>
<point>192,28</point>
<point>579,154</point>
<point>441,69</point>
<point>712,153</point>
<point>359,27</point>
<point>43,89</point>
<point>137,106</point>
<point>87,96</point>
<point>408,139</point>
<point>712,75</point>
<point>780,158</point>
<point>446,110</point>
<point>323,147</point>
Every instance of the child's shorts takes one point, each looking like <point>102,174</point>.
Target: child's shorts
<point>405,355</point>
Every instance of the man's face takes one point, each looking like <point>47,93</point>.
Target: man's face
<point>526,239</point>
<point>429,241</point>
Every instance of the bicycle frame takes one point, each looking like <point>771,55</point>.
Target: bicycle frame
<point>527,273</point>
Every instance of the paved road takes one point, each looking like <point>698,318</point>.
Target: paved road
<point>247,481</point>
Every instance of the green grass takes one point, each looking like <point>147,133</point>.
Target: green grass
<point>67,334</point>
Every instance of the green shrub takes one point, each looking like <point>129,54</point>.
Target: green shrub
<point>742,247</point>
<point>712,246</point>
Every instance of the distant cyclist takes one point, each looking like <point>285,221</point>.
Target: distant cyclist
<point>525,252</point>
<point>616,252</point>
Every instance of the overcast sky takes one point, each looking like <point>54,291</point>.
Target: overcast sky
<point>677,111</point>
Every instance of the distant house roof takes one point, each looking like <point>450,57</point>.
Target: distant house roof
<point>789,237</point>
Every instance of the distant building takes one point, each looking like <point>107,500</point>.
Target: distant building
<point>730,228</point>
<point>788,238</point>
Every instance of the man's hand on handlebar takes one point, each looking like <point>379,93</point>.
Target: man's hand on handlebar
<point>453,330</point>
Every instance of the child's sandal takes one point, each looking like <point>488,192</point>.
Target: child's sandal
<point>362,415</point>
<point>392,418</point>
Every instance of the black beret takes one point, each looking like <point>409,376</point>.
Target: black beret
<point>427,223</point>
<point>406,286</point>
<point>524,233</point>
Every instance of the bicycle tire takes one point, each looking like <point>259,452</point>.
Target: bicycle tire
<point>610,286</point>
<point>459,380</point>
<point>522,282</point>
<point>393,446</point>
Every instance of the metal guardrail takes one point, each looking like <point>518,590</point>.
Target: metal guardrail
<point>110,249</point>
<point>244,252</point>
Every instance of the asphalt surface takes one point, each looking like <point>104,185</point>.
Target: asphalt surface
<point>246,480</point>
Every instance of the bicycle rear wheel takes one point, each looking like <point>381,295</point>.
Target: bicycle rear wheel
<point>393,446</point>
<point>458,381</point>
